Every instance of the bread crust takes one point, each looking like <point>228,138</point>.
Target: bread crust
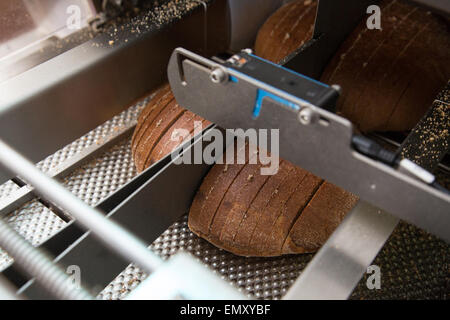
<point>211,193</point>
<point>162,126</point>
<point>290,212</point>
<point>319,219</point>
<point>286,30</point>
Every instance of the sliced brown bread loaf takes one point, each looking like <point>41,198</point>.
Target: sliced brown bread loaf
<point>286,30</point>
<point>389,77</point>
<point>292,211</point>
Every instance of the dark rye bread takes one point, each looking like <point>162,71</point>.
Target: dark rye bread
<point>286,30</point>
<point>161,127</point>
<point>210,194</point>
<point>389,77</point>
<point>239,210</point>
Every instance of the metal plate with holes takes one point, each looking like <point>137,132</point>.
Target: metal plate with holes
<point>34,222</point>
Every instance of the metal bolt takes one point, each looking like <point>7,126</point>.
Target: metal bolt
<point>337,88</point>
<point>218,75</point>
<point>306,116</point>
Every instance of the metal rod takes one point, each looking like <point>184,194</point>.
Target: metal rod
<point>110,233</point>
<point>340,263</point>
<point>39,265</point>
<point>338,266</point>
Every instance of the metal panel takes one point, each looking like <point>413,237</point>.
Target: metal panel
<point>171,282</point>
<point>246,20</point>
<point>56,102</point>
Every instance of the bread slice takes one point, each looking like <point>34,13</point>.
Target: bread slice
<point>162,126</point>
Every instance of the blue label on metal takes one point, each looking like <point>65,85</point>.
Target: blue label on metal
<point>261,94</point>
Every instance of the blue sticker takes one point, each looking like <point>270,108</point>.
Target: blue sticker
<point>261,94</point>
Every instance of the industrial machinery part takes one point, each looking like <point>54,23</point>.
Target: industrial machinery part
<point>39,265</point>
<point>257,94</point>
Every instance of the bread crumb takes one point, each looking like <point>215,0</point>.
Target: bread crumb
<point>393,19</point>
<point>250,177</point>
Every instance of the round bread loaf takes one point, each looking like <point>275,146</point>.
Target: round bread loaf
<point>389,77</point>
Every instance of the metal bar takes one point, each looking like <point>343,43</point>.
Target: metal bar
<point>338,266</point>
<point>426,144</point>
<point>26,193</point>
<point>110,233</point>
<point>39,265</point>
<point>16,199</point>
<point>170,282</point>
<point>246,20</point>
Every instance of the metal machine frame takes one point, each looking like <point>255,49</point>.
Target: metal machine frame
<point>351,248</point>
